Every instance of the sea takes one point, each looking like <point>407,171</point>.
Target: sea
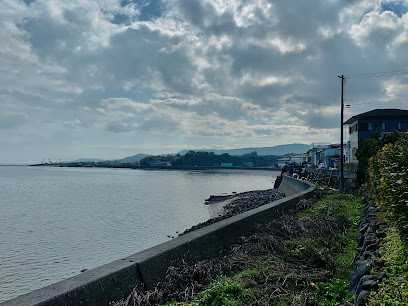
<point>56,222</point>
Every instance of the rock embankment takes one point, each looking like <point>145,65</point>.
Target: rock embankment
<point>239,203</point>
<point>371,235</point>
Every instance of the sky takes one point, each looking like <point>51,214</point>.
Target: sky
<point>112,78</point>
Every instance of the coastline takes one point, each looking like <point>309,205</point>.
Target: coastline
<point>62,184</point>
<point>238,203</point>
<point>128,166</point>
<point>117,279</point>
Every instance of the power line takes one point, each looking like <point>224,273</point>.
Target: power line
<point>379,102</point>
<point>377,74</point>
<point>375,97</point>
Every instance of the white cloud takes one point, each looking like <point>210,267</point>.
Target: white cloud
<point>231,72</point>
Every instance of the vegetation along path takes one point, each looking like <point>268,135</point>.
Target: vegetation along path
<point>303,258</point>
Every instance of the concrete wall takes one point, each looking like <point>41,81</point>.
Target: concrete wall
<point>116,280</point>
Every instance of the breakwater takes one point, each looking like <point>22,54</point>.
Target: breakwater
<point>117,279</point>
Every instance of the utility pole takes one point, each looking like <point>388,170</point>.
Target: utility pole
<point>341,135</point>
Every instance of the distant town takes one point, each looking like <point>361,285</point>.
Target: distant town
<point>316,155</point>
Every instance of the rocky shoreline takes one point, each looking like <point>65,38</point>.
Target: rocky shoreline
<point>238,203</point>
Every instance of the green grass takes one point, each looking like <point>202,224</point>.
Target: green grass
<point>222,292</point>
<point>393,290</point>
<point>313,269</point>
<point>336,204</point>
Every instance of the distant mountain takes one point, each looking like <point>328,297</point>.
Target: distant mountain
<point>133,158</point>
<point>275,150</point>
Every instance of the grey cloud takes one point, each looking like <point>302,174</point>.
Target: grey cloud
<point>262,59</point>
<point>204,16</point>
<point>159,124</point>
<point>267,95</point>
<point>10,120</point>
<point>227,109</point>
<point>55,39</point>
<point>222,106</point>
<point>118,127</point>
<point>302,19</point>
<point>28,2</point>
<point>142,54</point>
<point>315,117</point>
<point>263,132</point>
<point>193,51</point>
<point>156,123</point>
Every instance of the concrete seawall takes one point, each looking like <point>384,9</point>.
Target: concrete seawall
<point>116,280</point>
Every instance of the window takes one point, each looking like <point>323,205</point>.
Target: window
<point>402,125</point>
<point>376,126</point>
<point>353,128</point>
<point>353,154</point>
<point>363,127</point>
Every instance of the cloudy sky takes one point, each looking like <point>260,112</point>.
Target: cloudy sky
<point>112,78</point>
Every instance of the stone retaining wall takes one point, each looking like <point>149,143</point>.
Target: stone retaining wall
<point>116,280</point>
<point>370,236</point>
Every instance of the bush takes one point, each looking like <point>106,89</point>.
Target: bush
<point>370,147</point>
<point>388,179</point>
<point>332,293</point>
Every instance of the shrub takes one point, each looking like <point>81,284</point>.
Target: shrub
<point>332,293</point>
<point>388,179</point>
<point>370,147</point>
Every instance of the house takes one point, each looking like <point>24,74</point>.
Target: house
<point>298,159</point>
<point>330,156</point>
<point>363,125</point>
<point>313,156</point>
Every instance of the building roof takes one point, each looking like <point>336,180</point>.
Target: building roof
<point>298,155</point>
<point>380,113</point>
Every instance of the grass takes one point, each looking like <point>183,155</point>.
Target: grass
<point>393,290</point>
<point>309,262</point>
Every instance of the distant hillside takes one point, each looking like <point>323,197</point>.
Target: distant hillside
<point>133,158</point>
<point>276,150</point>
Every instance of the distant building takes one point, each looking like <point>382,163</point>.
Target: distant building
<point>297,159</point>
<point>282,162</point>
<point>330,157</point>
<point>248,164</point>
<point>313,153</point>
<point>363,125</point>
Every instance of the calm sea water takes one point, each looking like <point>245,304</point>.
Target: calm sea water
<point>54,222</point>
